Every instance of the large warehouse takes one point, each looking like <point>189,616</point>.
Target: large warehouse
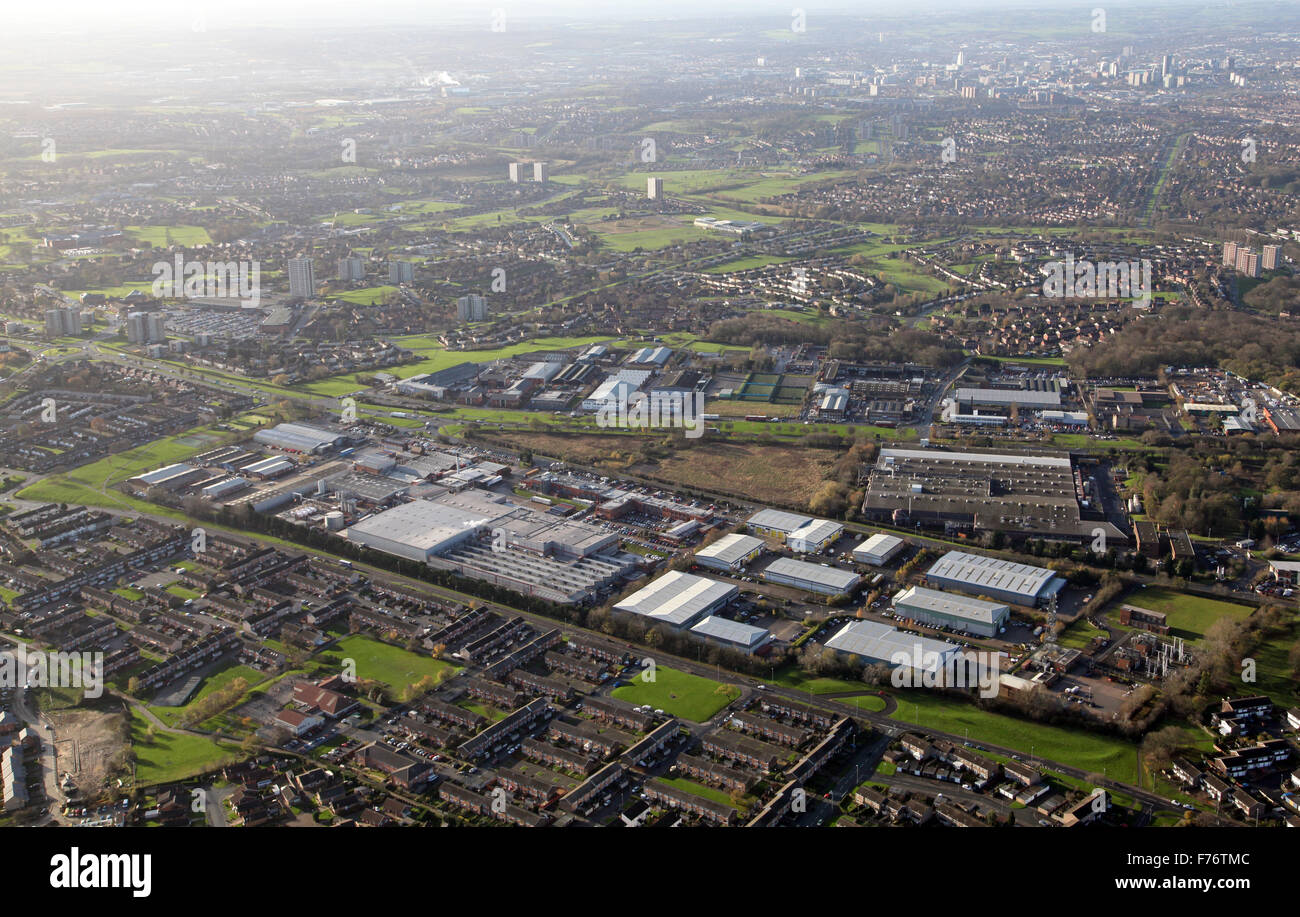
<point>811,577</point>
<point>1003,399</point>
<point>679,599</point>
<point>876,642</point>
<point>733,634</point>
<point>730,552</point>
<point>1021,494</point>
<point>1002,580</point>
<point>943,609</point>
<point>423,529</point>
<point>878,550</point>
<point>418,530</point>
<point>299,437</point>
<point>813,537</point>
<point>776,523</point>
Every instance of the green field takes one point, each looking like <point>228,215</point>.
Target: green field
<point>167,756</point>
<point>391,665</point>
<point>165,236</point>
<point>792,677</point>
<point>172,716</point>
<point>369,296</point>
<point>867,703</point>
<point>1190,616</point>
<point>1274,668</point>
<point>1112,757</point>
<point>90,484</point>
<point>680,694</point>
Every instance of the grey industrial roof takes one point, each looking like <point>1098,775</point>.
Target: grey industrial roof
<point>778,520</point>
<point>991,458</point>
<point>677,598</point>
<point>816,530</point>
<point>879,543</point>
<point>833,577</point>
<point>873,640</point>
<point>730,548</point>
<point>422,524</point>
<point>162,474</point>
<point>956,606</point>
<point>225,485</point>
<point>975,573</point>
<point>1010,396</point>
<point>297,436</point>
<point>730,631</point>
<point>267,465</point>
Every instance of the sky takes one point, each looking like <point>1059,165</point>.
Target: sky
<point>128,15</point>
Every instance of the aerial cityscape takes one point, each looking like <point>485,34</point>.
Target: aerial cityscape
<point>700,416</point>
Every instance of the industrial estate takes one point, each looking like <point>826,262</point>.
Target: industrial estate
<point>546,432</point>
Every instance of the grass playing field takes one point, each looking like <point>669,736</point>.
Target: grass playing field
<point>679,693</point>
<point>392,665</point>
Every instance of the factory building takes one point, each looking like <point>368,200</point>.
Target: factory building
<point>299,437</point>
<point>814,537</point>
<point>679,599</point>
<point>730,552</point>
<point>776,523</point>
<point>943,609</point>
<point>418,530</point>
<point>878,550</point>
<point>880,643</point>
<point>800,574</point>
<point>733,634</point>
<point>1001,580</point>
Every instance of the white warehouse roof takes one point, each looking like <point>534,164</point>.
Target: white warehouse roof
<point>882,643</point>
<point>745,635</point>
<point>975,573</point>
<point>656,355</point>
<point>678,598</point>
<point>162,474</point>
<point>878,545</point>
<point>730,548</point>
<point>419,528</point>
<point>816,531</point>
